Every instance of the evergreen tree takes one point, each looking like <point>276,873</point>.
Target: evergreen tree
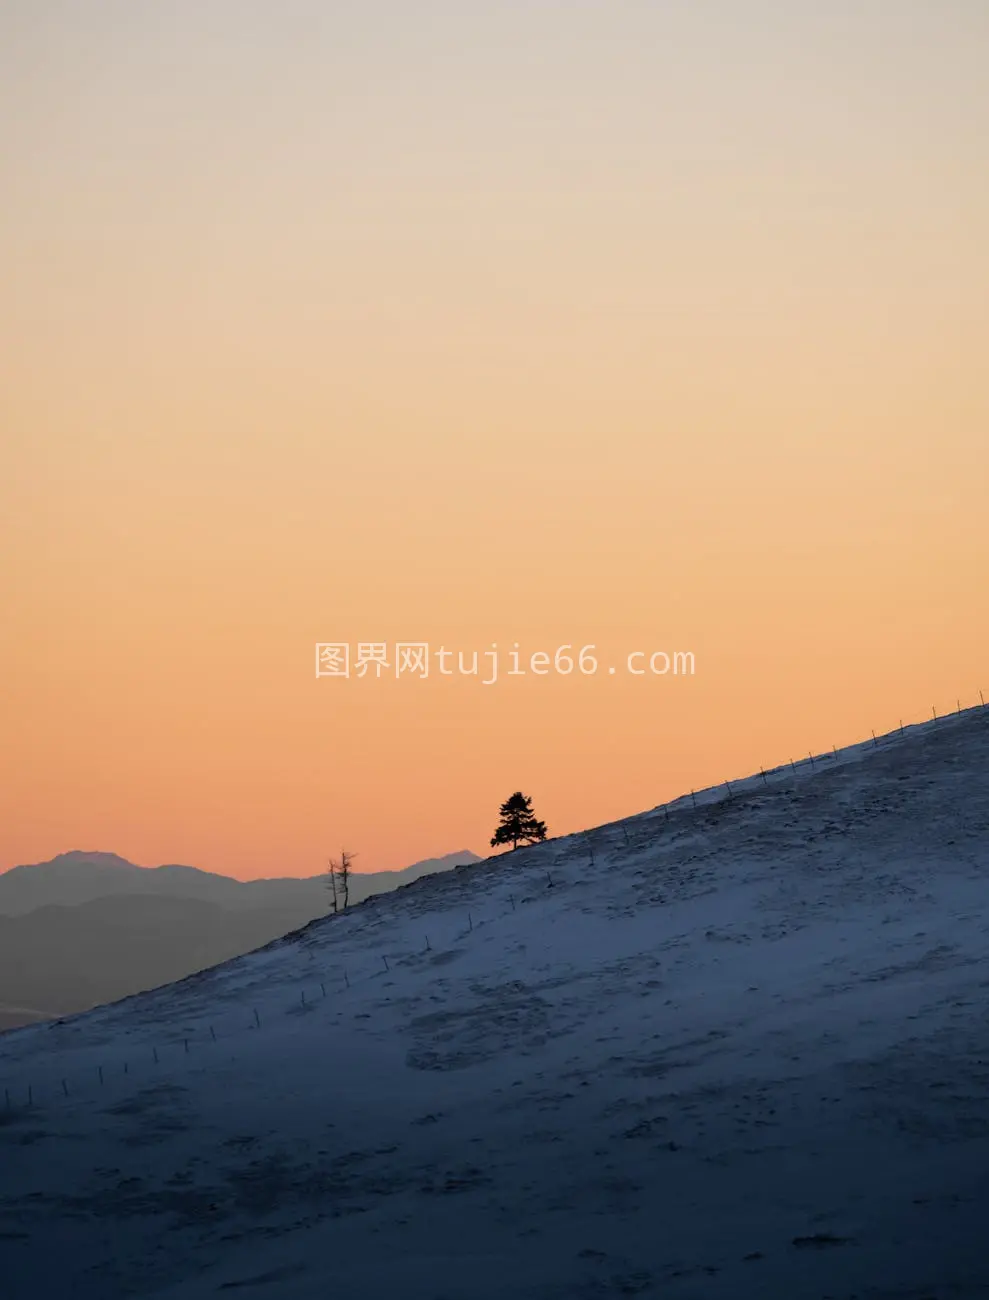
<point>518,823</point>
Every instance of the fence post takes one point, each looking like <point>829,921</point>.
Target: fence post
<point>385,960</point>
<point>811,757</point>
<point>257,1019</point>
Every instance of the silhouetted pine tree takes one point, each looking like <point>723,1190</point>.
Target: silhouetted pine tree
<point>518,823</point>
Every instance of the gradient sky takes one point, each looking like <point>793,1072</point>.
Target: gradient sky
<point>652,325</point>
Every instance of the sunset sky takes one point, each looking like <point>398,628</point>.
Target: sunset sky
<point>646,324</point>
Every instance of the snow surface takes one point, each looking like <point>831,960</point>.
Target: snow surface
<point>742,1053</point>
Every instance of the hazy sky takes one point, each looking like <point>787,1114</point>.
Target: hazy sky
<point>649,325</point>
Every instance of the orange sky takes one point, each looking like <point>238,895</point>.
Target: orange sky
<point>611,323</point>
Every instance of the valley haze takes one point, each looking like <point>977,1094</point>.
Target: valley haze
<point>87,928</point>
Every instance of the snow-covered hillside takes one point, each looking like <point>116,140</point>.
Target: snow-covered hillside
<point>716,1052</point>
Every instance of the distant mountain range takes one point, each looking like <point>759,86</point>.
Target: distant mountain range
<point>88,928</point>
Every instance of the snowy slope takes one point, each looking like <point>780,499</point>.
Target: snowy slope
<point>744,1054</point>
